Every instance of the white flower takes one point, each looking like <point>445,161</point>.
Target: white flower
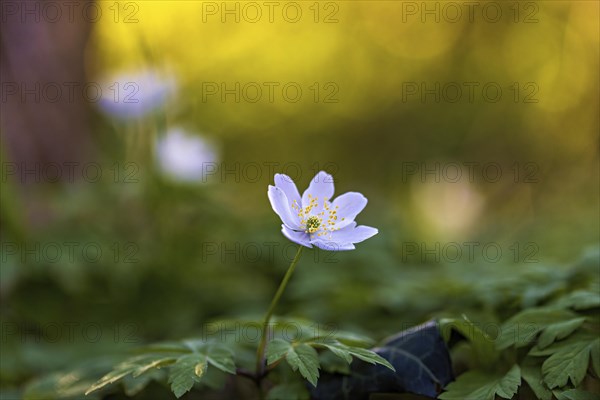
<point>312,219</point>
<point>185,157</point>
<point>135,95</point>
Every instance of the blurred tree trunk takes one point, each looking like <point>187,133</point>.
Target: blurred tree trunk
<point>43,115</point>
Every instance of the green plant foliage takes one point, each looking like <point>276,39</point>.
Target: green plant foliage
<point>188,362</point>
<point>482,343</point>
<point>531,372</point>
<point>288,391</point>
<point>300,356</point>
<point>421,366</point>
<point>347,352</point>
<point>475,385</point>
<point>568,360</point>
<point>522,329</point>
<point>186,371</point>
<point>70,384</point>
<point>303,357</point>
<point>580,299</point>
<point>555,345</point>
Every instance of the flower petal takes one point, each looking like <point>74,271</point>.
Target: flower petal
<point>287,185</point>
<point>296,237</point>
<point>320,187</point>
<point>330,245</point>
<point>350,205</point>
<point>281,206</point>
<point>353,234</point>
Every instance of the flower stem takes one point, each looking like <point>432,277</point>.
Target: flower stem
<point>260,354</point>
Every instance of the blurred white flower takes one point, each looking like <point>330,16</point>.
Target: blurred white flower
<point>185,157</point>
<point>135,94</point>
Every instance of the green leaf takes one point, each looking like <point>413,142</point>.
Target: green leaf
<point>347,352</point>
<point>119,372</point>
<point>305,359</point>
<point>188,359</point>
<point>522,329</point>
<point>288,391</point>
<point>312,331</point>
<point>531,371</point>
<point>351,339</point>
<point>299,356</point>
<point>339,350</point>
<point>575,394</point>
<point>579,300</point>
<point>483,344</point>
<point>569,360</point>
<point>370,357</point>
<point>559,331</point>
<point>276,350</point>
<point>153,363</point>
<point>186,371</point>
<point>222,358</point>
<point>475,385</point>
<point>134,366</point>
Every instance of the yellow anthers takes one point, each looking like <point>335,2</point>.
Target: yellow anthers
<point>320,223</point>
<point>312,224</point>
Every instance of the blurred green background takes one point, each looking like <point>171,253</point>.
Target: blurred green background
<point>379,107</point>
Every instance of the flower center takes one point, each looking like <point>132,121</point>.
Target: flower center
<point>325,221</point>
<point>312,224</point>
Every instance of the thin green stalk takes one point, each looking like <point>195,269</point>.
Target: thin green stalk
<point>260,354</point>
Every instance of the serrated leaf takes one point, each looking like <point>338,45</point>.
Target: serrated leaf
<point>531,371</point>
<point>339,350</point>
<point>569,360</point>
<point>522,329</point>
<point>576,394</point>
<point>187,371</point>
<point>288,391</point>
<point>371,357</point>
<point>134,366</point>
<point>483,344</point>
<point>181,355</point>
<point>300,357</point>
<point>311,331</point>
<point>475,385</point>
<point>120,371</point>
<point>558,331</point>
<point>276,350</point>
<point>347,352</point>
<point>222,358</point>
<point>305,359</point>
<point>419,356</point>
